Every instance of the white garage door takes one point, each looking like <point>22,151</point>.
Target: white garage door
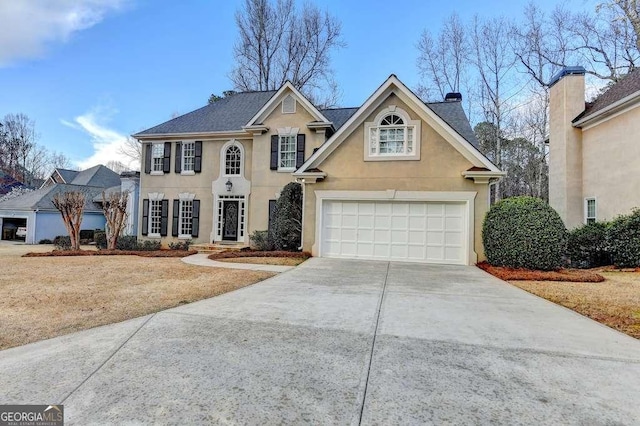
<point>405,231</point>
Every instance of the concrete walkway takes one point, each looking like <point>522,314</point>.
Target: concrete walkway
<point>341,342</point>
<point>202,259</point>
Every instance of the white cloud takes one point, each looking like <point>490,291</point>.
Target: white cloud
<point>107,143</point>
<point>28,26</point>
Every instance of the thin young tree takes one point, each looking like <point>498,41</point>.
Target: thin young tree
<point>277,42</point>
<point>71,207</point>
<point>114,207</point>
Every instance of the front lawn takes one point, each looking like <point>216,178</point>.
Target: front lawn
<point>43,297</point>
<point>614,302</point>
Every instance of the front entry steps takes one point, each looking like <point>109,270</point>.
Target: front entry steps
<point>218,247</point>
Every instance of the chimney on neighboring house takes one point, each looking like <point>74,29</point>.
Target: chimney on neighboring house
<point>566,102</point>
<point>453,97</point>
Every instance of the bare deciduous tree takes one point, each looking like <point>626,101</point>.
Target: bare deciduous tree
<point>71,207</point>
<point>132,149</point>
<point>277,43</point>
<point>114,207</point>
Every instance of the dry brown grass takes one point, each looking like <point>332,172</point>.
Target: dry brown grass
<point>50,296</point>
<point>614,302</point>
<point>285,261</point>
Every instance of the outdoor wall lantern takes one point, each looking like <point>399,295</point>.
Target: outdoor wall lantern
<point>229,185</point>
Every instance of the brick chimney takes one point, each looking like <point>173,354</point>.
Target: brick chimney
<point>566,102</point>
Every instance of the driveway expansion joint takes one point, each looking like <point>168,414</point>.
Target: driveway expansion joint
<point>108,358</point>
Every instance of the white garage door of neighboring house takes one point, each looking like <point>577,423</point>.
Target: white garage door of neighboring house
<point>432,232</point>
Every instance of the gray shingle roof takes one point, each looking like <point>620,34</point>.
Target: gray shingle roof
<point>42,199</point>
<point>454,115</point>
<point>338,116</point>
<point>67,175</point>
<point>227,114</point>
<point>99,176</point>
<point>628,85</point>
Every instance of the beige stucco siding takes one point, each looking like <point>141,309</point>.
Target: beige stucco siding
<point>439,169</point>
<point>266,182</point>
<point>610,143</point>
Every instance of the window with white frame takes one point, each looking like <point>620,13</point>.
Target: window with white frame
<point>188,156</point>
<point>157,157</point>
<point>287,152</point>
<point>289,105</point>
<point>590,210</point>
<point>155,217</point>
<point>185,223</point>
<point>233,161</point>
<point>392,135</point>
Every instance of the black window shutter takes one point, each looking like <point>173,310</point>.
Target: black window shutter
<point>145,217</point>
<point>164,218</point>
<point>274,152</point>
<point>147,158</point>
<point>178,162</point>
<point>300,151</point>
<point>197,161</point>
<point>195,223</point>
<point>174,222</point>
<point>166,164</point>
<point>272,211</point>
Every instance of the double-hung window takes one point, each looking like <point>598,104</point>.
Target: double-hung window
<point>155,217</point>
<point>188,156</point>
<point>157,157</point>
<point>233,161</point>
<point>186,218</point>
<point>392,136</point>
<point>287,152</point>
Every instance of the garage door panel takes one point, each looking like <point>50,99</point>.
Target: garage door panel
<point>410,231</point>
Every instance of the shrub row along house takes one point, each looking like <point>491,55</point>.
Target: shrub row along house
<point>593,148</point>
<point>393,179</point>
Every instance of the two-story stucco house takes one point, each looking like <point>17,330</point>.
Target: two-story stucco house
<point>393,179</point>
<point>593,148</point>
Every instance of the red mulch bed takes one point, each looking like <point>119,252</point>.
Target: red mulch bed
<point>148,253</point>
<point>517,274</point>
<point>255,253</point>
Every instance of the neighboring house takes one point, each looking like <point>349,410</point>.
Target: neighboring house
<point>36,212</point>
<point>395,179</point>
<point>8,183</point>
<point>129,183</point>
<point>593,148</point>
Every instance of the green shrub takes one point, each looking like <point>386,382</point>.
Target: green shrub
<point>623,237</point>
<point>45,241</point>
<point>62,242</point>
<point>180,245</point>
<point>587,246</point>
<point>524,232</point>
<point>100,238</point>
<point>262,241</point>
<point>148,245</point>
<point>287,222</point>
<point>127,242</point>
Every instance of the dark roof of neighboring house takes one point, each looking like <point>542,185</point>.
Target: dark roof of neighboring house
<point>42,199</point>
<point>453,114</point>
<point>233,112</point>
<point>67,175</point>
<point>628,85</point>
<point>99,176</point>
<point>7,183</point>
<point>227,114</point>
<point>338,116</point>
<point>91,181</point>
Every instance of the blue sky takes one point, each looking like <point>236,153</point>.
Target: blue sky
<point>90,72</point>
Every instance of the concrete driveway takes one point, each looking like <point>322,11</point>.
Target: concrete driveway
<point>341,342</point>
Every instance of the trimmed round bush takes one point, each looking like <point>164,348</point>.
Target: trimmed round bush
<point>588,247</point>
<point>524,232</point>
<point>624,240</point>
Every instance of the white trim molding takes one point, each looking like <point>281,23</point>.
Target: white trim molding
<point>466,197</point>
